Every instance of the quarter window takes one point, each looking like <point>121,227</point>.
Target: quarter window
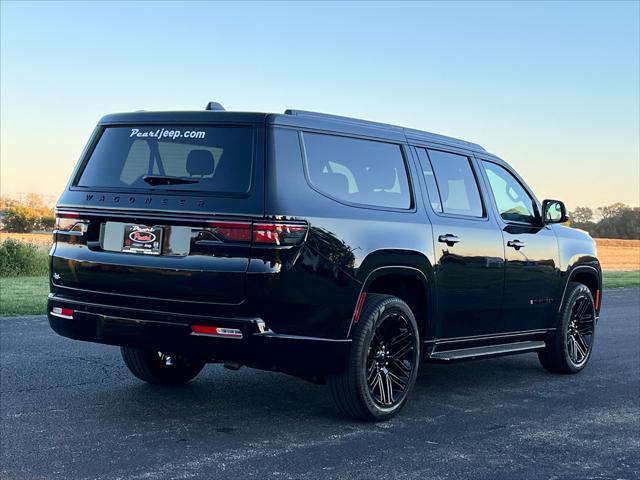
<point>457,187</point>
<point>512,200</point>
<point>358,171</point>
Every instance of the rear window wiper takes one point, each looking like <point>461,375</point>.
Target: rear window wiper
<point>154,180</point>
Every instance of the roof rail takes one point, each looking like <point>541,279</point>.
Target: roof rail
<point>350,120</point>
<point>366,123</point>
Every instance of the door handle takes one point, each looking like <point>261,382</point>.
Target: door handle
<point>517,244</point>
<point>449,239</point>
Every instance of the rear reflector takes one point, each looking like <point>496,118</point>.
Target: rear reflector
<point>62,312</point>
<point>356,315</point>
<point>216,331</point>
<point>597,299</point>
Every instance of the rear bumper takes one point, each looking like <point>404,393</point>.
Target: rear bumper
<point>172,333</point>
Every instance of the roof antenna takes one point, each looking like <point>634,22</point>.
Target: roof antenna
<point>215,106</point>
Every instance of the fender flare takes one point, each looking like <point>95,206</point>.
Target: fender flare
<point>383,271</point>
<point>578,269</point>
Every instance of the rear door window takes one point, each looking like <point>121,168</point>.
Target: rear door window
<point>358,171</point>
<point>456,183</point>
<point>184,158</point>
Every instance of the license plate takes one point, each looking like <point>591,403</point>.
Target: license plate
<point>142,239</point>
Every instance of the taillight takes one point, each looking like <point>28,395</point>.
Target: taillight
<point>279,233</point>
<point>70,222</point>
<point>271,233</point>
<point>231,231</point>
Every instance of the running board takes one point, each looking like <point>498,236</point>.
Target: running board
<point>487,351</point>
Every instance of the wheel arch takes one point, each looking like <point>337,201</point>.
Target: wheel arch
<point>409,281</point>
<point>589,276</point>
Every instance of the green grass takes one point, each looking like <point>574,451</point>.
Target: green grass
<point>23,295</point>
<point>28,295</point>
<point>621,279</point>
<point>18,259</point>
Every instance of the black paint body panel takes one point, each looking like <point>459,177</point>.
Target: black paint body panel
<point>306,294</point>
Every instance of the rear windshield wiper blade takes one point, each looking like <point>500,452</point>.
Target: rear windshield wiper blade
<point>154,180</point>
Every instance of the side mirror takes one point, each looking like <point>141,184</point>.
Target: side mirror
<point>554,211</point>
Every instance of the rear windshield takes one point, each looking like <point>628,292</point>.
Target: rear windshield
<point>170,157</point>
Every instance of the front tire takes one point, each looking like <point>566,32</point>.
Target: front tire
<point>159,368</point>
<point>383,362</point>
<point>569,350</point>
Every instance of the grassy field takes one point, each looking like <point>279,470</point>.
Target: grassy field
<point>23,295</point>
<point>619,255</point>
<point>621,279</point>
<point>28,295</point>
<point>43,239</point>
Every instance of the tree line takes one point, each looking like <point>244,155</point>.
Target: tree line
<point>32,214</point>
<point>612,221</point>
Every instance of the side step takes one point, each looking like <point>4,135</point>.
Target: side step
<point>487,351</point>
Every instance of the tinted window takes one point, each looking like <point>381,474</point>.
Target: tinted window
<point>193,158</point>
<point>457,184</point>
<point>432,186</point>
<point>512,200</point>
<point>358,171</point>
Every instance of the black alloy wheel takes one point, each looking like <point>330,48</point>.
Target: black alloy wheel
<point>580,330</point>
<point>571,345</point>
<point>383,362</point>
<point>390,360</point>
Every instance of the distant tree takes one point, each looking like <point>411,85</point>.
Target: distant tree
<point>31,215</point>
<point>36,201</point>
<point>581,215</point>
<point>623,223</point>
<point>6,202</point>
<point>612,210</point>
<point>19,219</point>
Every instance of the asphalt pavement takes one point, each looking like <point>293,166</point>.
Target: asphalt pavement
<point>71,410</point>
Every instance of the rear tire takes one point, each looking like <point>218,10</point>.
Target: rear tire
<point>158,368</point>
<point>383,362</point>
<point>569,350</point>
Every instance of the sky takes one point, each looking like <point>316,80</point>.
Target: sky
<point>552,88</point>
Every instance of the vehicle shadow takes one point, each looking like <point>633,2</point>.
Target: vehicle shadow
<point>224,401</point>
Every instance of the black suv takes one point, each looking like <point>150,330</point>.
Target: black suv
<point>337,250</point>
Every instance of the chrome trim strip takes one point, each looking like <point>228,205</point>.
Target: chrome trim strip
<point>475,352</point>
<point>217,335</point>
<point>57,298</point>
<point>492,336</point>
<point>122,295</point>
<point>299,337</point>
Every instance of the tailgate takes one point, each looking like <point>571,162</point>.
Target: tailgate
<point>193,260</point>
<point>162,211</point>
